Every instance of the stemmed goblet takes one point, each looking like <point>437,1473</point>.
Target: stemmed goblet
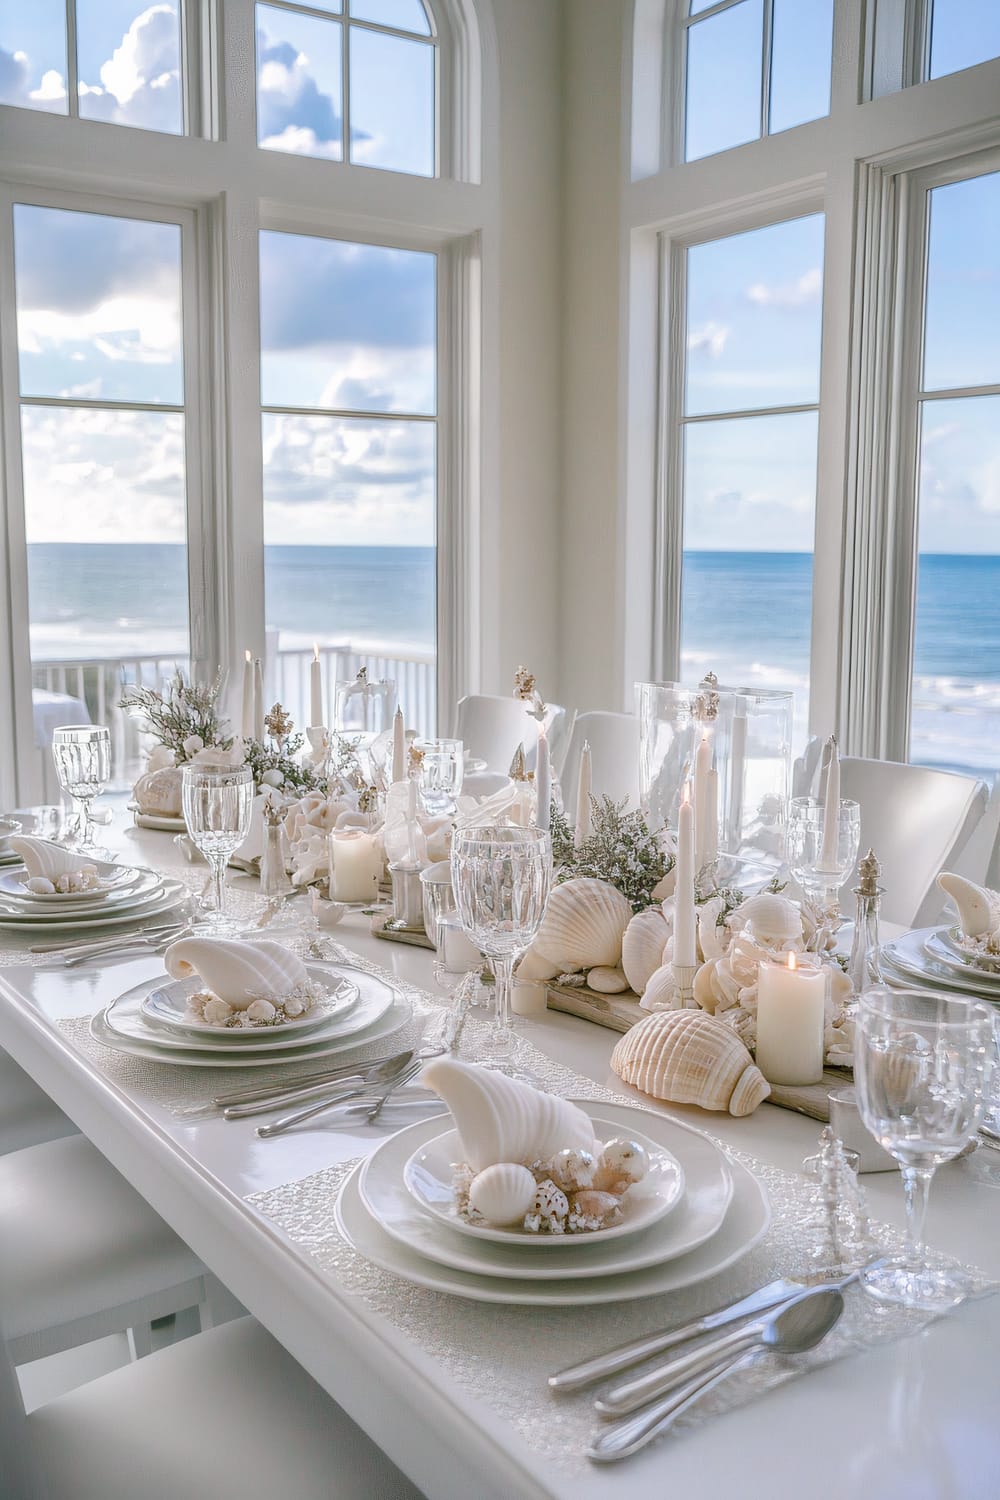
<point>217,802</point>
<point>442,768</point>
<point>921,1069</point>
<point>501,877</point>
<point>821,865</point>
<point>82,756</point>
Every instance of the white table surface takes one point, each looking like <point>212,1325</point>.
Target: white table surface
<point>915,1420</point>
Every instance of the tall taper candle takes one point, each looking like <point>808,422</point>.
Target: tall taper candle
<point>830,847</point>
<point>685,953</point>
<point>246,718</point>
<point>258,699</point>
<point>583,797</point>
<point>315,689</point>
<point>710,842</point>
<point>702,766</point>
<point>398,747</point>
<point>543,780</point>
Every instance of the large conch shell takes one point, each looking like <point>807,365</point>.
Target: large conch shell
<point>643,944</point>
<point>583,925</point>
<point>237,972</point>
<point>978,913</point>
<point>500,1119</point>
<point>44,860</point>
<point>688,1058</point>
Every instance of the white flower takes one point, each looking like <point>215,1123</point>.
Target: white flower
<point>193,744</point>
<point>272,778</point>
<point>160,758</point>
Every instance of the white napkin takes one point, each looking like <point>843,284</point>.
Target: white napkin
<point>236,971</point>
<point>44,859</point>
<point>501,1119</point>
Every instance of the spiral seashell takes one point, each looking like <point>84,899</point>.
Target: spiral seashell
<point>773,920</point>
<point>502,1193</point>
<point>688,1057</point>
<point>643,943</point>
<point>500,1119</point>
<point>236,972</point>
<point>44,860</point>
<point>978,916</point>
<point>661,989</point>
<point>583,925</point>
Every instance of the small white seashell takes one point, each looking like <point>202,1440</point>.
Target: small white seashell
<point>643,943</point>
<point>500,1119</point>
<point>689,1057</point>
<point>625,1159</point>
<point>261,1010</point>
<point>572,1170</point>
<point>607,981</point>
<point>978,916</point>
<point>294,1006</point>
<point>40,885</point>
<point>583,925</point>
<point>593,1209</point>
<point>773,920</point>
<point>216,1012</point>
<point>550,1207</point>
<point>502,1193</point>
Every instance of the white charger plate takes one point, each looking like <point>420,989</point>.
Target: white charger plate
<point>907,958</point>
<point>745,1223</point>
<point>427,1176</point>
<point>115,878</point>
<point>167,1006</point>
<point>172,895</point>
<point>699,1215</point>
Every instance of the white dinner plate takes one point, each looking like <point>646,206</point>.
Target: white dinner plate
<point>699,1215</point>
<point>945,947</point>
<point>115,880</point>
<point>166,1005</point>
<point>142,888</point>
<point>427,1177</point>
<point>166,900</point>
<point>157,823</point>
<point>745,1223</point>
<point>131,903</point>
<point>907,959</point>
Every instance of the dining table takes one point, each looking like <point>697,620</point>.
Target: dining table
<point>455,1391</point>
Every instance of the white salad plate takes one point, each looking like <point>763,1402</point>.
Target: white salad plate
<point>699,1214</point>
<point>114,879</point>
<point>905,961</point>
<point>14,895</point>
<point>167,899</point>
<point>427,1176</point>
<point>745,1222</point>
<point>156,822</point>
<point>167,1006</point>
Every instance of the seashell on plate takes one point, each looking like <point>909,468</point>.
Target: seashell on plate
<point>688,1057</point>
<point>624,1160</point>
<point>592,1209</point>
<point>772,919</point>
<point>573,1170</point>
<point>978,914</point>
<point>607,981</point>
<point>236,972</point>
<point>500,1119</point>
<point>502,1193</point>
<point>643,943</point>
<point>550,1209</point>
<point>44,860</point>
<point>583,925</point>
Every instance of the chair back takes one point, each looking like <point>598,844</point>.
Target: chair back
<point>919,821</point>
<point>493,727</point>
<point>19,1479</point>
<point>614,757</point>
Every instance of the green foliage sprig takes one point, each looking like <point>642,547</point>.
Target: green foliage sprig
<point>263,757</point>
<point>621,849</point>
<point>179,713</point>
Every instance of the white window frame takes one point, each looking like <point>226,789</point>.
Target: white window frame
<point>855,165</point>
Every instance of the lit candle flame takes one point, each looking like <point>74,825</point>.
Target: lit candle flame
<point>792,964</point>
<point>687,794</point>
<point>249,657</point>
<point>315,650</point>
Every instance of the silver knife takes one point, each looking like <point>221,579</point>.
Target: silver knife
<point>578,1377</point>
<point>373,1074</point>
<point>93,945</point>
<point>278,1127</point>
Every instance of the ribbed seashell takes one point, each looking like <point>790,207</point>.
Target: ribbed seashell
<point>583,925</point>
<point>158,793</point>
<point>607,981</point>
<point>772,919</point>
<point>502,1193</point>
<point>661,989</point>
<point>643,943</point>
<point>533,968</point>
<point>235,971</point>
<point>690,1058</point>
<point>500,1119</point>
<point>976,906</point>
<point>43,859</point>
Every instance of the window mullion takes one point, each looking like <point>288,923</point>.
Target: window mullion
<point>669,540</point>
<point>345,90</point>
<point>72,63</point>
<point>767,39</point>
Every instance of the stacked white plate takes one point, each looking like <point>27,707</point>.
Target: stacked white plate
<point>152,1021</point>
<point>932,958</point>
<point>698,1213</point>
<point>125,895</point>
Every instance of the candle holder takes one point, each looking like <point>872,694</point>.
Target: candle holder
<point>822,877</point>
<point>407,899</point>
<point>684,980</point>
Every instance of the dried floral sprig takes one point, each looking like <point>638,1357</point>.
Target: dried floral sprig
<point>183,712</point>
<point>621,849</point>
<point>274,765</point>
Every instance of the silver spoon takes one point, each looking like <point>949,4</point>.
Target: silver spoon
<point>799,1326</point>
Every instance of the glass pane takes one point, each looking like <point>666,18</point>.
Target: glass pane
<point>392,103</point>
<point>724,80</point>
<point>98,306</point>
<point>299,78</point>
<point>749,501</point>
<point>33,54</point>
<point>404,15</point>
<point>956,674</point>
<point>349,521</point>
<point>963,33</point>
<point>754,315</point>
<point>349,327</point>
<point>801,53</point>
<point>963,285</point>
<point>129,57</point>
<point>698,5</point>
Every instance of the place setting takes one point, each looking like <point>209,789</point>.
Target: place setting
<point>52,887</point>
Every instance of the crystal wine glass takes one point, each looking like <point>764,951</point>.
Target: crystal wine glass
<point>82,756</point>
<point>218,802</point>
<point>921,1069</point>
<point>442,768</point>
<point>501,877</point>
<point>821,868</point>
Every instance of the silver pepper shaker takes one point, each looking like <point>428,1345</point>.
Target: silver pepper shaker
<point>863,964</point>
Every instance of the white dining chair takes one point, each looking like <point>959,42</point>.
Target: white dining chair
<point>491,728</point>
<point>614,757</point>
<point>227,1414</point>
<point>89,1257</point>
<point>27,1114</point>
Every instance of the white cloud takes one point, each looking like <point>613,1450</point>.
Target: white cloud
<point>807,288</point>
<point>712,338</point>
<point>51,90</point>
<point>301,140</point>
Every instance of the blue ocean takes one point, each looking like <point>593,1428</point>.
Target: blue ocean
<point>745,615</point>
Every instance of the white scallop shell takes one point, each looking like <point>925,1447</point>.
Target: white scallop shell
<point>690,1058</point>
<point>607,981</point>
<point>158,793</point>
<point>534,968</point>
<point>583,925</point>
<point>643,943</point>
<point>976,906</point>
<point>661,989</point>
<point>44,860</point>
<point>502,1193</point>
<point>500,1119</point>
<point>772,919</point>
<point>235,971</point>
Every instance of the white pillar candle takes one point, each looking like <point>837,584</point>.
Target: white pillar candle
<point>583,797</point>
<point>830,847</point>
<point>543,781</point>
<point>702,766</point>
<point>258,699</point>
<point>398,747</point>
<point>458,951</point>
<point>246,717</point>
<point>315,688</point>
<point>710,843</point>
<point>355,865</point>
<point>790,1021</point>
<point>685,953</point>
